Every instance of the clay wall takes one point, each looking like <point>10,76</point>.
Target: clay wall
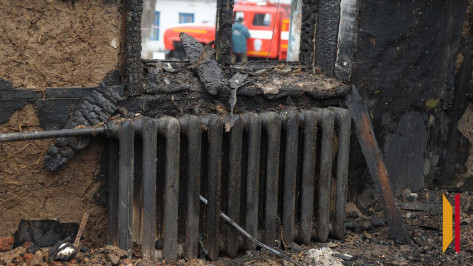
<point>50,44</point>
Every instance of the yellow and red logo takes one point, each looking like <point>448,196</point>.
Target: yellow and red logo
<point>448,224</point>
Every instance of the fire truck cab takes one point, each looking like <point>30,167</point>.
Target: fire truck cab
<point>267,23</point>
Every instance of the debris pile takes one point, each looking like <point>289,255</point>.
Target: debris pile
<point>323,256</point>
<point>367,241</point>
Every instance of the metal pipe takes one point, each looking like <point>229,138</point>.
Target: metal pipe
<point>253,127</point>
<point>125,184</point>
<point>272,125</point>
<point>214,180</point>
<point>171,128</point>
<point>343,119</point>
<point>194,136</point>
<point>326,118</point>
<point>234,185</point>
<point>51,134</point>
<point>308,176</point>
<point>290,172</point>
<point>150,137</point>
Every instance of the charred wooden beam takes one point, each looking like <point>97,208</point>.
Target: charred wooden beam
<point>130,60</point>
<point>223,38</point>
<point>96,108</point>
<point>375,162</point>
<point>207,68</point>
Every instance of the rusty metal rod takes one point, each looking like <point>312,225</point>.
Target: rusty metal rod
<point>259,243</point>
<point>51,134</point>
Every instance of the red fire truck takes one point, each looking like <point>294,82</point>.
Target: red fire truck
<point>267,23</point>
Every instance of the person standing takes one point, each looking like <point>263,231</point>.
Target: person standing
<point>240,34</point>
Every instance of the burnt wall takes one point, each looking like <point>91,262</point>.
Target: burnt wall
<point>406,68</point>
<point>28,191</point>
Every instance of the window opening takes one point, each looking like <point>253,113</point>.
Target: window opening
<point>262,20</point>
<point>155,28</point>
<point>186,18</point>
<point>268,22</point>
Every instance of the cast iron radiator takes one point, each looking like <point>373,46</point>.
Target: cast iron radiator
<point>275,174</point>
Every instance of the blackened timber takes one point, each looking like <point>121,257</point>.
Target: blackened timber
<point>171,128</point>
<point>214,180</point>
<point>130,60</point>
<point>112,193</point>
<point>125,183</point>
<point>376,166</point>
<point>272,126</point>
<point>290,171</point>
<point>234,186</point>
<point>194,136</point>
<point>308,176</point>
<point>326,118</point>
<point>253,127</point>
<point>223,34</point>
<point>96,108</point>
<point>149,135</point>
<point>210,74</point>
<point>343,120</point>
<point>326,37</point>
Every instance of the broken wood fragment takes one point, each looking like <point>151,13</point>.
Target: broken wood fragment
<point>417,206</point>
<point>209,72</point>
<point>376,166</point>
<point>81,228</point>
<point>236,82</point>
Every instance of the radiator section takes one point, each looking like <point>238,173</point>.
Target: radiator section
<point>281,176</point>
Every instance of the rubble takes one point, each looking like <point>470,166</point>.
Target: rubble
<point>6,243</point>
<point>323,256</point>
<point>369,245</point>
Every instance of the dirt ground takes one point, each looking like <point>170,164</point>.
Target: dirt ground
<point>29,191</point>
<point>367,242</point>
<point>50,43</point>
